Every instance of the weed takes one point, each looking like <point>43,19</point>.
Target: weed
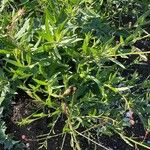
<point>69,57</point>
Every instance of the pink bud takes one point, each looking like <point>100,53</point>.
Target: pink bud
<point>132,122</point>
<point>24,137</point>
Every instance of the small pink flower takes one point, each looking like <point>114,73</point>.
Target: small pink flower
<point>23,137</point>
<point>132,122</point>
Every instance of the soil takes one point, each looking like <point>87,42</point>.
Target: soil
<point>22,106</point>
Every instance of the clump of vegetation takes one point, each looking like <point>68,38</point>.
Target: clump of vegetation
<point>79,60</point>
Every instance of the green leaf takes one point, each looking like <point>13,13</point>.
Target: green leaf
<point>48,102</point>
<point>23,30</point>
<point>142,19</point>
<point>149,123</point>
<point>3,51</point>
<point>48,27</point>
<point>57,53</point>
<point>3,4</point>
<point>40,82</point>
<point>39,115</point>
<point>69,40</point>
<point>9,143</point>
<point>13,62</point>
<point>124,88</point>
<point>28,58</point>
<point>86,42</point>
<point>117,62</point>
<point>95,80</point>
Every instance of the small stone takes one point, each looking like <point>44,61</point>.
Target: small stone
<point>29,128</point>
<point>148,105</point>
<point>148,142</point>
<point>27,145</point>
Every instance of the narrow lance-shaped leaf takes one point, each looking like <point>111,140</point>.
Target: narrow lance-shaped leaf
<point>23,29</point>
<point>117,62</point>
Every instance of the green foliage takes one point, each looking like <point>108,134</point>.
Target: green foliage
<point>47,46</point>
